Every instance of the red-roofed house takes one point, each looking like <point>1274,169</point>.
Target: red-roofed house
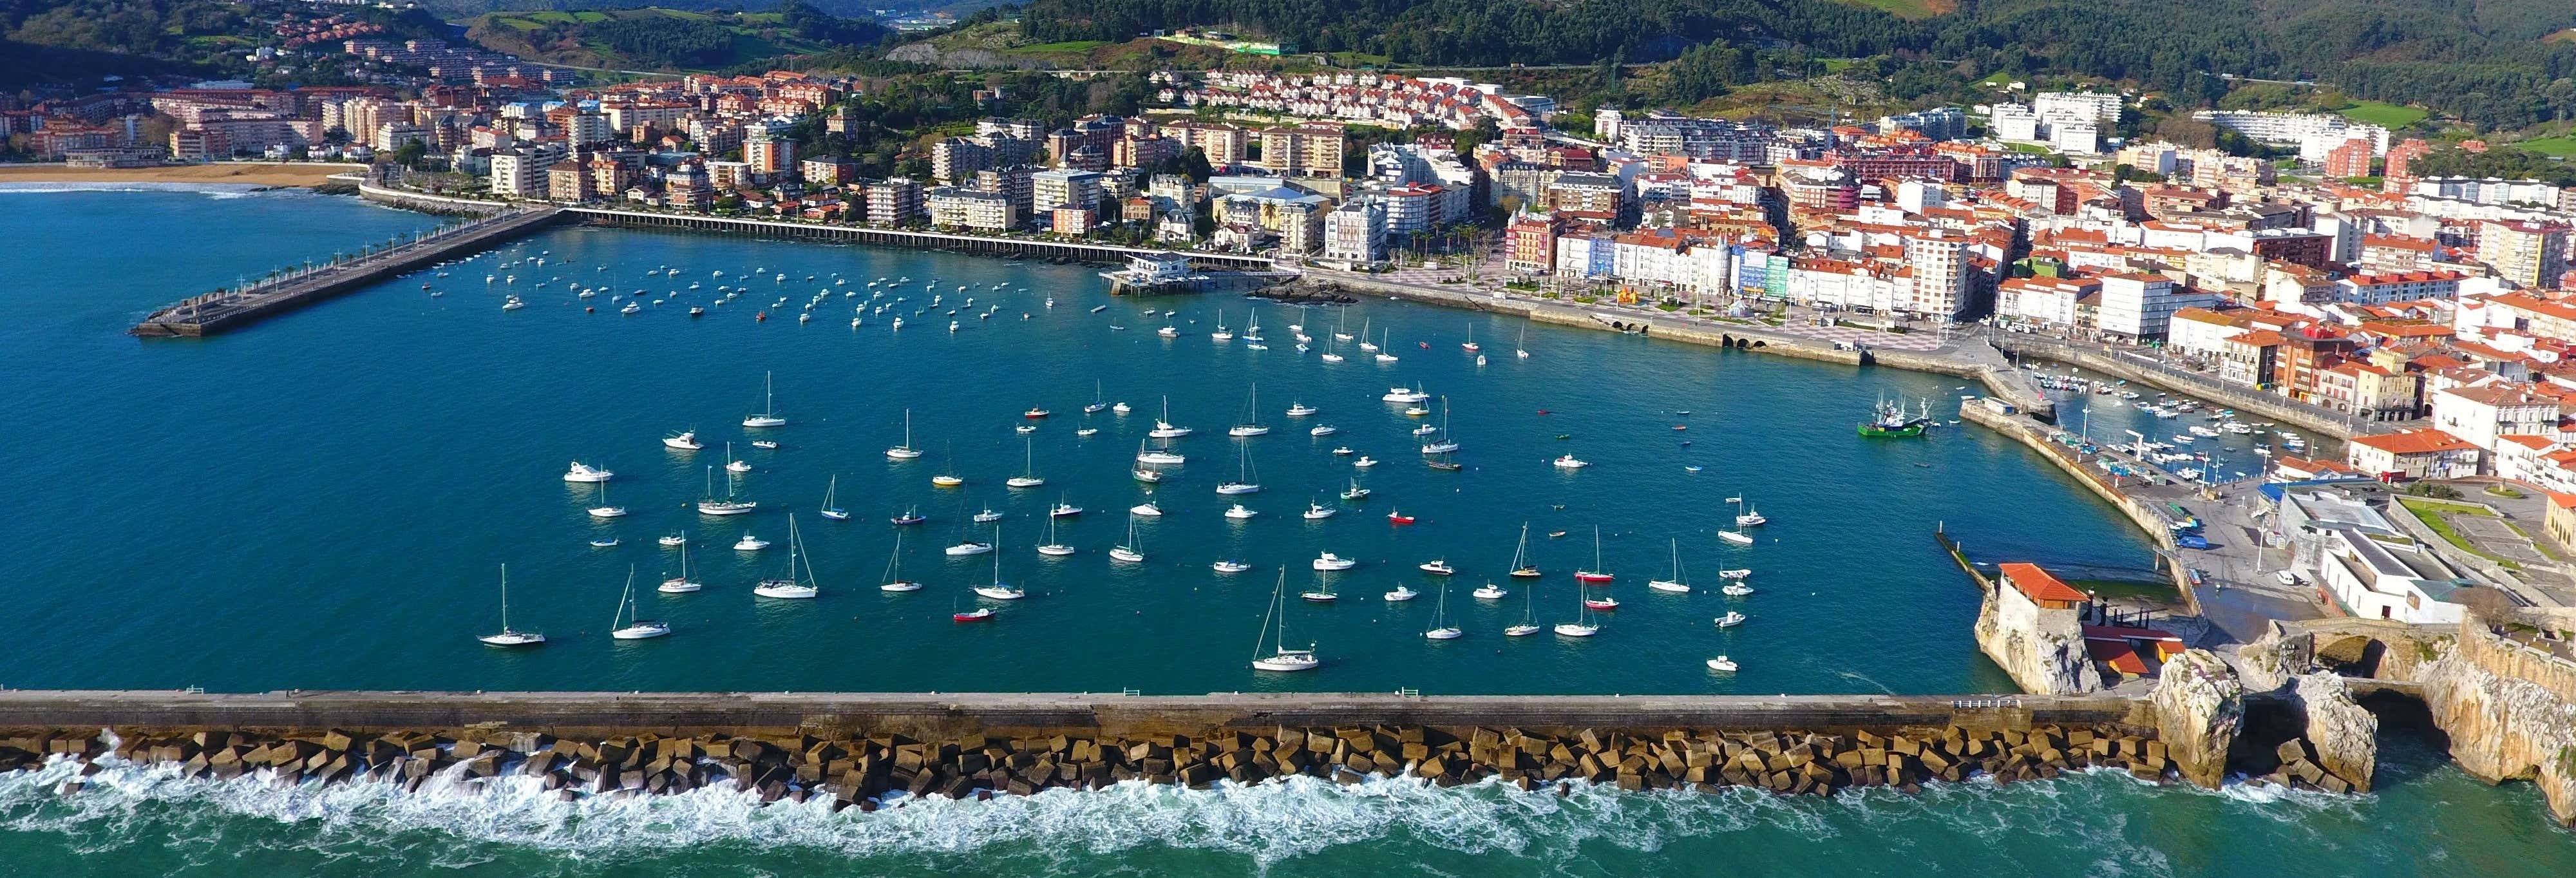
<point>2414,454</point>
<point>2041,587</point>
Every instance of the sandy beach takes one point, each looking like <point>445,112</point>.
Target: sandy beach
<point>246,173</point>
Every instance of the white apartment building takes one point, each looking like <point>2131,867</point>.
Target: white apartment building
<point>1063,187</point>
<point>953,207</point>
<point>1355,232</point>
<point>2142,305</point>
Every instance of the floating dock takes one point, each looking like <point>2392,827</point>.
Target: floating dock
<point>233,309</point>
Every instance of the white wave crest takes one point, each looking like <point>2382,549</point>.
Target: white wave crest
<point>213,190</point>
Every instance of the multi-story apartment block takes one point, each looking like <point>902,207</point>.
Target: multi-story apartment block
<point>893,201</point>
<point>952,207</point>
<point>2529,254</point>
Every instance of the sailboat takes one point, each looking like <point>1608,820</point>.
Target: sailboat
<point>1096,405</point>
<point>1471,346</point>
<point>1159,457</point>
<point>1747,516</point>
<point>894,580</point>
<point>830,511</point>
<point>1445,443</point>
<point>948,479</point>
<point>796,585</point>
<point>1583,625</point>
<point>1341,327</point>
<point>1323,593</point>
<point>604,509</point>
<point>998,591</point>
<point>1440,627</point>
<point>1521,348</point>
<point>513,637</point>
<point>1029,477</point>
<point>728,505</point>
<point>1596,574</point>
<point>1252,427</point>
<point>1332,349</point>
<point>1244,484</point>
<point>1220,334</point>
<point>1677,583</point>
<point>1052,547</point>
<point>904,451</point>
<point>634,629</point>
<point>1128,551</point>
<point>1382,355</point>
<point>1163,428</point>
<point>681,584</point>
<point>1528,624</point>
<point>1251,331</point>
<point>1281,658</point>
<point>1521,566</point>
<point>1366,346</point>
<point>768,415</point>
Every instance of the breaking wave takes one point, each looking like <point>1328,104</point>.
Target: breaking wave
<point>213,190</point>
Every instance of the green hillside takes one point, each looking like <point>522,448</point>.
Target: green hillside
<point>654,38</point>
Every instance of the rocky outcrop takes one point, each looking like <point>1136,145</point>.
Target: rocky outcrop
<point>2042,649</point>
<point>2199,708</point>
<point>2510,712</point>
<point>2343,739</point>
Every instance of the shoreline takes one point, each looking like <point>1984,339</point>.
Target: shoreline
<point>295,175</point>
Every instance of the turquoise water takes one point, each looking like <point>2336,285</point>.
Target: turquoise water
<point>325,501</point>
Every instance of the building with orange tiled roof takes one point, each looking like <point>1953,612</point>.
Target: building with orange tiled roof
<point>2042,588</point>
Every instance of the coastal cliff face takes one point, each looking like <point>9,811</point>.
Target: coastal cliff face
<point>2042,649</point>
<point>2343,736</point>
<point>2510,710</point>
<point>2199,708</point>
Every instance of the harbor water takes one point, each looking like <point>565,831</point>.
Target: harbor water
<point>326,500</point>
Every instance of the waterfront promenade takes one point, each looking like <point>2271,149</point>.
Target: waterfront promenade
<point>234,308</point>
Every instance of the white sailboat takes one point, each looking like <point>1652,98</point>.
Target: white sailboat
<point>1163,426</point>
<point>606,509</point>
<point>1053,547</point>
<point>1158,457</point>
<point>1445,442</point>
<point>1028,478</point>
<point>797,585</point>
<point>1244,483</point>
<point>1677,583</point>
<point>726,505</point>
<point>768,414</point>
<point>1097,404</point>
<point>511,636</point>
<point>1129,551</point>
<point>830,511</point>
<point>904,451</point>
<point>1528,624</point>
<point>1521,566</point>
<point>1382,355</point>
<point>635,628</point>
<point>683,583</point>
<point>1521,348</point>
<point>997,590</point>
<point>1441,629</point>
<point>1252,427</point>
<point>1366,346</point>
<point>894,580</point>
<point>1281,658</point>
<point>1583,625</point>
<point>1220,334</point>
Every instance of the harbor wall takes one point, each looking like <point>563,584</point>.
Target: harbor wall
<point>2029,433</point>
<point>857,748</point>
<point>232,309</point>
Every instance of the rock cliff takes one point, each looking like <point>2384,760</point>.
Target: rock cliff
<point>2510,711</point>
<point>2345,737</point>
<point>2043,650</point>
<point>2199,708</point>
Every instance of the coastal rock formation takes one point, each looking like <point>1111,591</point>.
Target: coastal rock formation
<point>2510,707</point>
<point>863,770</point>
<point>2042,649</point>
<point>2343,736</point>
<point>2199,707</point>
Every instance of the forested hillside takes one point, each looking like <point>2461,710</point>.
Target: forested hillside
<point>2480,60</point>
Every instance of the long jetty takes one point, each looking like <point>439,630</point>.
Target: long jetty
<point>234,308</point>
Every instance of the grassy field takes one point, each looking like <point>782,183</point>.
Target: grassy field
<point>755,34</point>
<point>2436,514</point>
<point>2383,114</point>
<point>2562,147</point>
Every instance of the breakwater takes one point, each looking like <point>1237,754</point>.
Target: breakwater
<point>857,748</point>
<point>235,308</point>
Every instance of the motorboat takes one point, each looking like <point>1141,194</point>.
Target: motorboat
<point>1147,476</point>
<point>1736,536</point>
<point>969,547</point>
<point>1722,663</point>
<point>978,614</point>
<point>1240,512</point>
<point>603,543</point>
<point>1401,594</point>
<point>1230,566</point>
<point>1323,430</point>
<point>1148,510</point>
<point>1604,602</point>
<point>988,516</point>
<point>1406,395</point>
<point>1571,462</point>
<point>1730,620</point>
<point>677,539</point>
<point>750,543</point>
<point>1064,510</point>
<point>1735,589</point>
<point>1329,562</point>
<point>1344,451</point>
<point>1437,568</point>
<point>1299,410</point>
<point>764,444</point>
<point>1318,512</point>
<point>1355,492</point>
<point>685,440</point>
<point>1364,462</point>
<point>585,473</point>
<point>1394,517</point>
